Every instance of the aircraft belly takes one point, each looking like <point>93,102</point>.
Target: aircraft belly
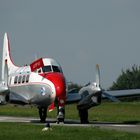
<point>40,95</point>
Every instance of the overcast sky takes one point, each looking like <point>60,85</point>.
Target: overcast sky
<point>77,33</point>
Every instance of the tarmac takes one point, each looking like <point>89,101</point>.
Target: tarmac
<point>134,128</point>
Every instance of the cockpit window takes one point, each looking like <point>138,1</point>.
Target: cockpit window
<point>56,69</point>
<point>46,69</point>
<point>51,69</point>
<point>40,70</point>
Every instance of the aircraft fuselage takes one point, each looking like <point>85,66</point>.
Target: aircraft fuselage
<point>40,83</point>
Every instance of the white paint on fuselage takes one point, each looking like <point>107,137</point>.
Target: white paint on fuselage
<point>31,92</point>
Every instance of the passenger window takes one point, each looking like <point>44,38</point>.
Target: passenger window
<point>15,80</point>
<point>19,79</point>
<point>23,79</point>
<point>27,78</point>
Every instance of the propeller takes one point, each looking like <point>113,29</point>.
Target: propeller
<point>97,75</point>
<point>107,95</point>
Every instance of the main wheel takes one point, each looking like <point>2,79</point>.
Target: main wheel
<point>42,114</point>
<point>83,113</point>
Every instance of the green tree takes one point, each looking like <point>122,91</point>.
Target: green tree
<point>129,79</point>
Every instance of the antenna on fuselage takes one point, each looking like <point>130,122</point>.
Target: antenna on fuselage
<point>35,56</point>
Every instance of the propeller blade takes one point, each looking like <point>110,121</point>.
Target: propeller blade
<point>97,75</point>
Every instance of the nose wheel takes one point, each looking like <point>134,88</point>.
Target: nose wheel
<point>42,114</point>
<point>60,115</point>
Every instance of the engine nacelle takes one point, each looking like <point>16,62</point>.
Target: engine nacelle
<point>90,96</point>
<point>4,99</point>
<point>4,93</point>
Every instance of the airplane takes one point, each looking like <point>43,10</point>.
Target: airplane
<point>43,84</point>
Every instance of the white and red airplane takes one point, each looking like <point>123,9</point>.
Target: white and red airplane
<point>42,83</point>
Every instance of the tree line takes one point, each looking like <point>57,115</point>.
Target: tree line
<point>128,79</point>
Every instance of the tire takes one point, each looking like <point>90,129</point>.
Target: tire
<point>42,114</point>
<point>83,114</point>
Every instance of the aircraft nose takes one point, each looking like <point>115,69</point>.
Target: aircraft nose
<point>59,82</point>
<point>59,86</point>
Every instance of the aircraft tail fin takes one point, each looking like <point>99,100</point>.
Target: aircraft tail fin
<point>6,57</point>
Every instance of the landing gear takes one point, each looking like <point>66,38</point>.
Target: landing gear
<point>83,113</point>
<point>42,114</point>
<point>60,115</point>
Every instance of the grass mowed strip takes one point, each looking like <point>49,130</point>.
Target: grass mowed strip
<point>107,112</point>
<point>115,112</point>
<point>123,112</point>
<point>22,131</point>
<point>15,110</point>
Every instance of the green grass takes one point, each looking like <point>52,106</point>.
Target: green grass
<point>14,110</point>
<point>118,112</point>
<point>115,112</point>
<point>21,131</point>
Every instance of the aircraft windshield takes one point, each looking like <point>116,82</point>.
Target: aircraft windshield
<point>56,69</point>
<point>46,69</point>
<point>50,69</point>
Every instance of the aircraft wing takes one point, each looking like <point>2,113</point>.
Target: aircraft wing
<point>112,95</point>
<point>90,89</point>
<point>122,93</point>
<point>73,97</point>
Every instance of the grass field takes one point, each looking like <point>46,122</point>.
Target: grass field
<point>21,131</point>
<point>116,112</point>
